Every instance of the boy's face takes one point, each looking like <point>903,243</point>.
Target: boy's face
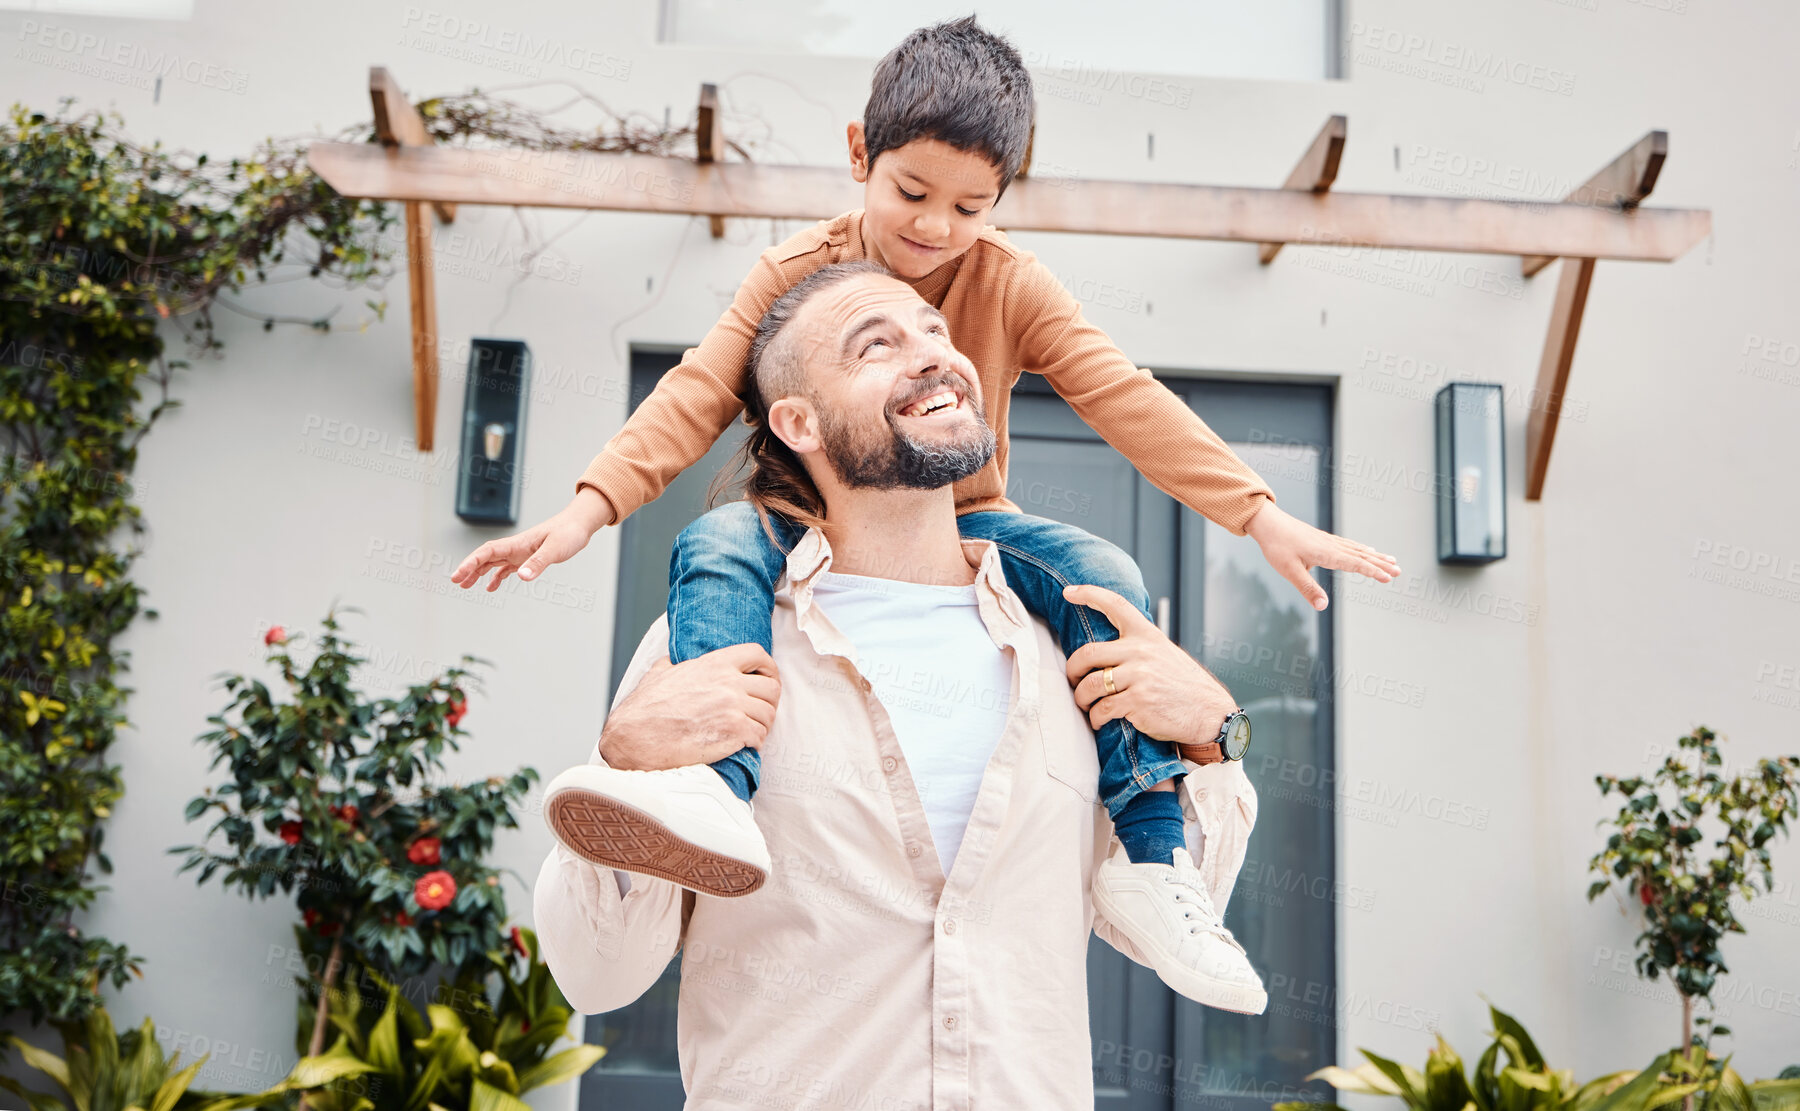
<point>924,203</point>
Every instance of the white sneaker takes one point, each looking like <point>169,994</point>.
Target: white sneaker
<point>1166,912</point>
<point>683,825</point>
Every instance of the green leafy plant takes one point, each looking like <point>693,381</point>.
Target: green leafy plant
<point>468,1051</point>
<point>1657,855</point>
<point>332,797</point>
<point>1526,1082</point>
<point>101,1070</point>
<point>102,243</point>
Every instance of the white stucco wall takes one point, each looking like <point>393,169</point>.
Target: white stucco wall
<point>287,481</point>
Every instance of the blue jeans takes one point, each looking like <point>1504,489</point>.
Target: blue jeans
<point>723,570</point>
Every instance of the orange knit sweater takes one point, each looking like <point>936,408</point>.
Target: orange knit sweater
<point>1009,314</point>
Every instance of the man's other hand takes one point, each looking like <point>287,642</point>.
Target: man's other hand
<point>1157,686</point>
<point>528,553</point>
<point>695,712</point>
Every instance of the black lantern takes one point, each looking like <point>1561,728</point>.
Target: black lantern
<point>1471,473</point>
<point>491,473</point>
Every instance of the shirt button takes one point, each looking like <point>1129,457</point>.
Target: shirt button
<point>889,763</point>
<point>949,925</point>
<point>949,1022</point>
<point>913,850</point>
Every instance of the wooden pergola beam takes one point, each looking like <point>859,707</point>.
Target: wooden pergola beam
<point>1620,187</point>
<point>1315,172</point>
<point>399,126</point>
<point>640,183</point>
<point>709,144</point>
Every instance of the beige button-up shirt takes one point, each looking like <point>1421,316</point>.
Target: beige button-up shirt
<point>861,975</point>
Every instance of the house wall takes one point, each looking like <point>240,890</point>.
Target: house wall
<point>1655,587</point>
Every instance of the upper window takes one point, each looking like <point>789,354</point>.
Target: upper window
<point>1290,40</point>
<point>130,9</point>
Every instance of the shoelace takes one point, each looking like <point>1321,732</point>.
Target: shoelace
<point>1189,889</point>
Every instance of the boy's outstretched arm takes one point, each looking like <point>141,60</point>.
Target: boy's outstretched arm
<point>1164,438</point>
<point>671,429</point>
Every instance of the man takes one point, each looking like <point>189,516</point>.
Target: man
<point>922,938</point>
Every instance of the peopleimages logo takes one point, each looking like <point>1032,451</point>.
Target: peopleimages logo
<point>131,56</point>
<point>1406,49</point>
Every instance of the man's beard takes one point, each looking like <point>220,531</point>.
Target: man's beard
<point>867,459</point>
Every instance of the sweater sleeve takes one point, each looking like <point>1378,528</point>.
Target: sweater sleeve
<point>1145,420</point>
<point>691,407</point>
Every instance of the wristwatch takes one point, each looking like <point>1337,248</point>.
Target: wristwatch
<point>1234,734</point>
<point>1231,743</point>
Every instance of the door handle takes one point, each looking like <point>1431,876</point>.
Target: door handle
<point>1162,616</point>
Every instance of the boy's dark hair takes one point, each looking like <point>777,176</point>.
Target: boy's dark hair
<point>957,82</point>
<point>777,480</point>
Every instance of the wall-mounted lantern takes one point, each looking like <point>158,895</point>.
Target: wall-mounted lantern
<point>1471,473</point>
<point>491,473</point>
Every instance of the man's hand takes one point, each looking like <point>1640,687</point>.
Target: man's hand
<point>529,552</point>
<point>694,712</point>
<point>1293,547</point>
<point>1157,686</point>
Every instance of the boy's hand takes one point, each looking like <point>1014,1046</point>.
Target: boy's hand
<point>695,712</point>
<point>1157,686</point>
<point>1294,547</point>
<point>529,552</point>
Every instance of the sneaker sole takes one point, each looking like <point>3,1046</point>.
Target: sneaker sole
<point>608,832</point>
<point>1187,982</point>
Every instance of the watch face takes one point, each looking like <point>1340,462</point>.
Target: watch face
<point>1237,737</point>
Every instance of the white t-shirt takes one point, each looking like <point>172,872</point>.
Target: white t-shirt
<point>943,682</point>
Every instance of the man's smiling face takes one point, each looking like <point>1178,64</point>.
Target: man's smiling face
<point>894,403</point>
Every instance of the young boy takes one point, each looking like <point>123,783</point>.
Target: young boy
<point>949,116</point>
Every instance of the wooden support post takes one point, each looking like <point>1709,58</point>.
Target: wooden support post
<point>1553,371</point>
<point>423,281</point>
<point>709,146</point>
<point>1315,171</point>
<point>398,125</point>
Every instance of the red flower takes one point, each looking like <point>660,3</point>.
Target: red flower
<point>348,812</point>
<point>424,850</point>
<point>326,929</point>
<point>458,707</point>
<point>1647,894</point>
<point>310,917</point>
<point>290,832</point>
<point>275,635</point>
<point>435,890</point>
<point>403,919</point>
<point>518,943</point>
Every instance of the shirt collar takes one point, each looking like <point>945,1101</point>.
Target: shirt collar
<point>1001,610</point>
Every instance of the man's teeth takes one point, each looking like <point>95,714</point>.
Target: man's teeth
<point>930,404</point>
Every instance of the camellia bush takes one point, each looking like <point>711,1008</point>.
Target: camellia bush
<point>1658,854</point>
<point>333,798</point>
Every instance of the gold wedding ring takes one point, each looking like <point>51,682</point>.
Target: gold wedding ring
<point>1107,675</point>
